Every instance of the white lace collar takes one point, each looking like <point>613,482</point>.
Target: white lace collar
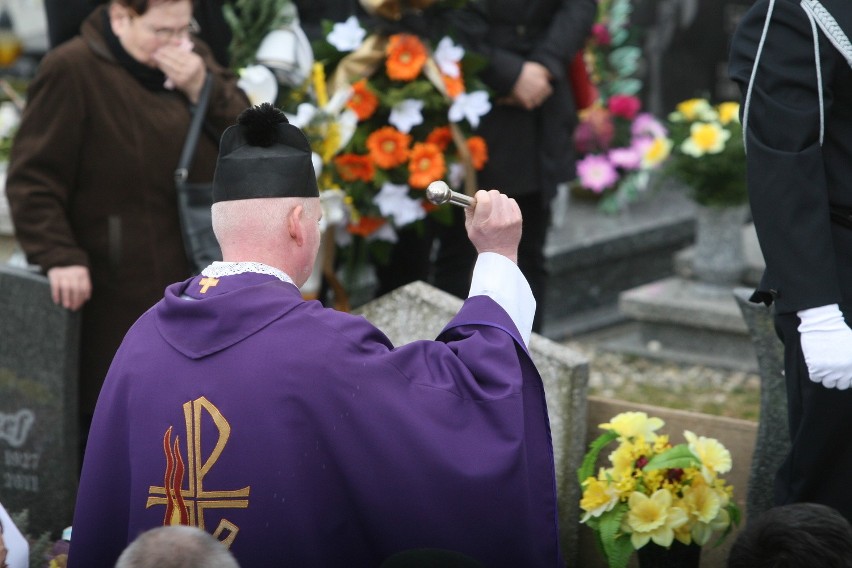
<point>219,269</point>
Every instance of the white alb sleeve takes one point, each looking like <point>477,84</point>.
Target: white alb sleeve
<point>499,278</point>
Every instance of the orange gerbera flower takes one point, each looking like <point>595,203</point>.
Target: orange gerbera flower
<point>366,226</point>
<point>353,167</point>
<point>426,164</point>
<point>478,151</point>
<point>454,85</point>
<point>363,102</point>
<point>406,56</point>
<point>428,206</point>
<point>388,147</point>
<point>440,137</point>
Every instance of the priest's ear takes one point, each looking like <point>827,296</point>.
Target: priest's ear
<point>294,224</point>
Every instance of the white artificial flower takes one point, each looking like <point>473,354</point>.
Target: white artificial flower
<point>259,84</point>
<point>316,160</point>
<point>333,206</point>
<point>384,233</point>
<point>406,115</point>
<point>342,237</point>
<point>305,113</point>
<point>457,174</point>
<point>393,201</point>
<point>447,55</point>
<point>338,100</point>
<point>471,106</point>
<point>347,123</point>
<point>348,35</point>
<point>10,118</point>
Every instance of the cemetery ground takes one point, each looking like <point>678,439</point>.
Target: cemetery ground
<point>695,388</point>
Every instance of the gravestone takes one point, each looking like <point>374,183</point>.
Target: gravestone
<point>419,311</point>
<point>773,438</point>
<point>592,257</point>
<point>685,45</point>
<point>39,440</point>
<point>679,318</point>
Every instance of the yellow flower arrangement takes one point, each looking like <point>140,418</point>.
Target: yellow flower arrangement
<point>653,491</point>
<point>707,152</point>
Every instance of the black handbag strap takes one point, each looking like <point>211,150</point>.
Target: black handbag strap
<point>188,152</point>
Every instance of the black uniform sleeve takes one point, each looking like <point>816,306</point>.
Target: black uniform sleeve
<point>788,189</point>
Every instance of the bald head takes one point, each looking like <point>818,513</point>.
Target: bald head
<point>176,546</point>
<point>282,232</point>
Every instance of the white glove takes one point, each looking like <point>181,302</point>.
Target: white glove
<point>827,346</point>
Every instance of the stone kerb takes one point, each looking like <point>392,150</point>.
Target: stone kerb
<point>39,440</point>
<point>773,438</point>
<point>420,311</point>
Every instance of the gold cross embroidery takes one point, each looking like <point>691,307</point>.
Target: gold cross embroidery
<point>188,506</point>
<point>206,283</point>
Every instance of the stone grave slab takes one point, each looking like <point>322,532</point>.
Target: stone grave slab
<point>594,256</point>
<point>680,319</point>
<point>420,311</point>
<point>39,440</point>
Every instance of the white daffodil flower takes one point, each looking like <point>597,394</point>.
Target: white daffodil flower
<point>470,106</point>
<point>447,55</point>
<point>259,84</point>
<point>348,35</point>
<point>406,115</point>
<point>393,201</point>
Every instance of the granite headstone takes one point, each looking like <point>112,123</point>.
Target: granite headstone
<point>419,311</point>
<point>39,440</point>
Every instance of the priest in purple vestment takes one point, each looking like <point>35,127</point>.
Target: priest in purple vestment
<point>299,435</point>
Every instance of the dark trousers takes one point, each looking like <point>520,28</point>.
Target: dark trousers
<point>818,468</point>
<point>455,254</point>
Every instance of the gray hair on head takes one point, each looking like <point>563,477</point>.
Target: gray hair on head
<point>176,546</point>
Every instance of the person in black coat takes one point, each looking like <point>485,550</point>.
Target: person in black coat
<point>529,45</point>
<point>791,60</point>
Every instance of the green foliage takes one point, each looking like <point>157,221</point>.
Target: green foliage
<point>250,21</point>
<point>587,468</point>
<point>679,456</point>
<point>715,180</point>
<point>39,546</point>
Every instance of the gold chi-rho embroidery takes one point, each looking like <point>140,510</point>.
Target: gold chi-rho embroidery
<point>187,506</point>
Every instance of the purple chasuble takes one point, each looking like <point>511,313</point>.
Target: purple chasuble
<point>300,436</point>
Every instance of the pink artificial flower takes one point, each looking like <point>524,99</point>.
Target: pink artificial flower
<point>625,106</point>
<point>625,158</point>
<point>595,131</point>
<point>600,34</point>
<point>596,173</point>
<point>646,125</point>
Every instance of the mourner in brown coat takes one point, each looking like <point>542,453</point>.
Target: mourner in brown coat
<point>91,176</point>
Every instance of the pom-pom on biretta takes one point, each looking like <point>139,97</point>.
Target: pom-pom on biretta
<point>260,124</point>
<point>263,155</point>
